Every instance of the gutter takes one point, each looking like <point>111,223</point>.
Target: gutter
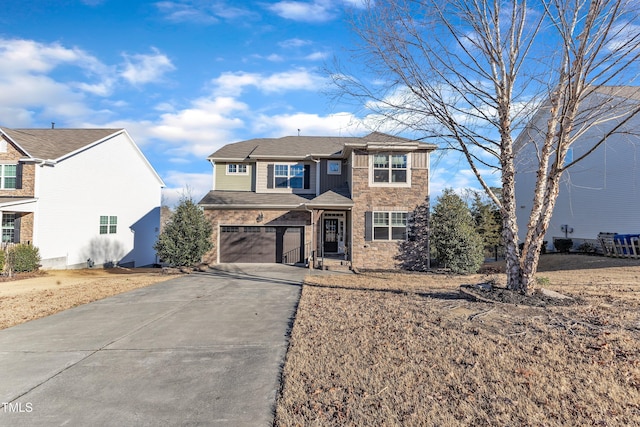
<point>40,162</point>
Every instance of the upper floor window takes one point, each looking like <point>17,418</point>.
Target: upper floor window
<point>236,169</point>
<point>291,176</point>
<point>108,224</point>
<point>390,168</point>
<point>334,167</point>
<point>8,176</point>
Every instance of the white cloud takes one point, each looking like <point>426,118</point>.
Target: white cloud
<point>318,11</point>
<point>317,56</point>
<point>233,83</point>
<point>185,12</point>
<point>179,184</point>
<point>313,11</point>
<point>54,82</point>
<point>294,43</point>
<point>201,12</point>
<point>146,68</point>
<point>344,124</point>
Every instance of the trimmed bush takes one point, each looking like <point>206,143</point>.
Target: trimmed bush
<point>563,245</point>
<point>3,258</point>
<point>23,258</point>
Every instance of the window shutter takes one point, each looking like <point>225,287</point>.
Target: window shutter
<point>307,177</point>
<point>16,228</point>
<point>368,226</point>
<point>19,176</point>
<point>270,176</point>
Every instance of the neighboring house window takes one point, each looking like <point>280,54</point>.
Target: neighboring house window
<point>389,225</point>
<point>8,227</point>
<point>390,168</point>
<point>8,176</point>
<point>108,224</point>
<point>236,169</point>
<point>334,167</point>
<point>291,176</point>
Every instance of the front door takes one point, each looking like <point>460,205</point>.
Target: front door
<point>331,235</point>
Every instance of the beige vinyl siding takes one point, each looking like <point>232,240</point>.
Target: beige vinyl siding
<point>420,160</point>
<point>234,182</point>
<point>361,159</point>
<point>262,172</point>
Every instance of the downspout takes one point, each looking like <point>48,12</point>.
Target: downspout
<point>317,162</point>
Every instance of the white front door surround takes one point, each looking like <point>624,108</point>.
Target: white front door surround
<point>333,231</point>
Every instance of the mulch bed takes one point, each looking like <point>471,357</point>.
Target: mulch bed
<point>487,292</point>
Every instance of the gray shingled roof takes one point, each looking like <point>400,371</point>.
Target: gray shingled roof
<point>300,147</point>
<point>237,199</point>
<point>219,198</point>
<point>51,144</point>
<point>338,197</point>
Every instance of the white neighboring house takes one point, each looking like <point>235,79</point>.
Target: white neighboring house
<point>600,193</point>
<point>79,195</point>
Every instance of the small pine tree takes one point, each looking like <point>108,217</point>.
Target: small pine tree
<point>487,218</point>
<point>186,237</point>
<point>454,238</point>
<point>414,252</point>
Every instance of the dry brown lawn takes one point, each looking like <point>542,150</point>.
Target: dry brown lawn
<point>49,292</point>
<point>391,349</point>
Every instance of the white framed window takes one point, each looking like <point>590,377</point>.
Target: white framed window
<point>108,224</point>
<point>334,167</point>
<point>389,226</point>
<point>8,227</point>
<point>289,176</point>
<point>390,169</point>
<point>237,169</point>
<point>8,177</point>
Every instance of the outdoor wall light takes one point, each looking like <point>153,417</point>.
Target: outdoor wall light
<point>260,217</point>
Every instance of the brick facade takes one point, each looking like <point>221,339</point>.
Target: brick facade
<point>381,254</point>
<point>12,156</point>
<point>249,217</point>
<point>26,188</point>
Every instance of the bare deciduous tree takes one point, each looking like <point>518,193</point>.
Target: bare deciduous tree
<point>473,73</point>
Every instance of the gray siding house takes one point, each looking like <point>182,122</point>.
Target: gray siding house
<point>601,193</point>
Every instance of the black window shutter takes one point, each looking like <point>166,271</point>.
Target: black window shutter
<point>16,228</point>
<point>307,177</point>
<point>368,226</point>
<point>19,176</point>
<point>270,176</point>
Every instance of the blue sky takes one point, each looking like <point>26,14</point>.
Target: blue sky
<point>184,77</point>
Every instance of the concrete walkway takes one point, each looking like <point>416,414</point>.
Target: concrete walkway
<point>203,349</point>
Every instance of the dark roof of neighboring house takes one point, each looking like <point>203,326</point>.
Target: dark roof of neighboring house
<point>246,199</point>
<point>51,144</point>
<point>297,147</point>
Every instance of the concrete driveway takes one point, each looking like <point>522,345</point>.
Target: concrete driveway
<point>204,349</point>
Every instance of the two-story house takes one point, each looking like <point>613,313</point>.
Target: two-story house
<point>307,198</point>
<point>600,193</point>
<point>82,196</point>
